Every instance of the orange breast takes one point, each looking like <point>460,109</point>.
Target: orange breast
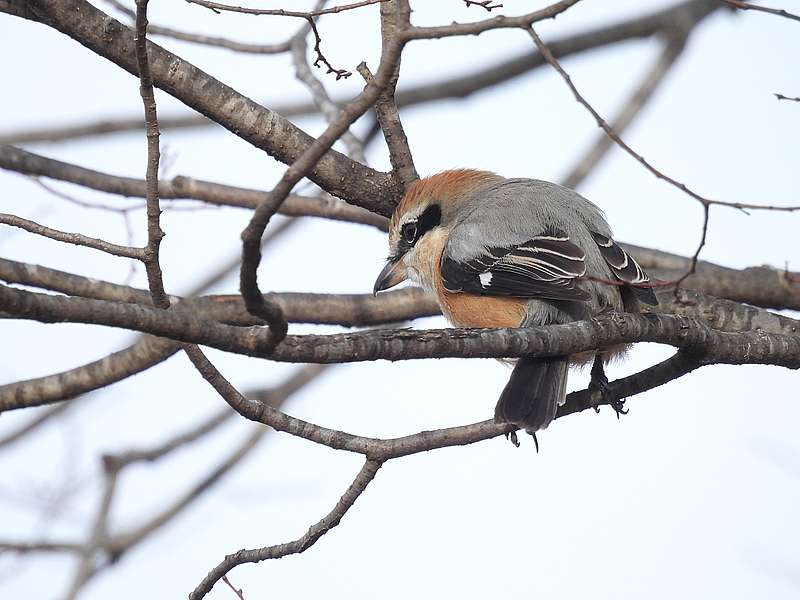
<point>469,310</point>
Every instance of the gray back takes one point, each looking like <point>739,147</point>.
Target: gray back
<point>529,208</point>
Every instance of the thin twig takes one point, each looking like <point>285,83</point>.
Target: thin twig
<point>395,16</point>
<point>77,239</point>
<point>206,40</point>
<point>86,568</point>
<point>33,425</point>
<point>155,453</point>
<point>486,4</point>
<point>548,56</point>
<point>630,109</point>
<point>782,97</point>
<point>309,16</point>
<point>314,533</point>
<point>772,11</point>
<point>498,22</point>
<point>238,591</point>
<point>83,204</point>
<point>460,86</point>
<point>319,95</point>
<point>693,265</point>
<point>280,12</point>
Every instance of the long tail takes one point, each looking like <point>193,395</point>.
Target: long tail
<point>533,393</point>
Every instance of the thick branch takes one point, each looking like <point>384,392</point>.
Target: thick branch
<point>182,325</point>
<point>678,365</point>
<point>112,368</point>
<point>761,286</point>
<point>260,126</point>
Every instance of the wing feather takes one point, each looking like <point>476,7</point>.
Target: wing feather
<point>546,266</point>
<point>625,268</point>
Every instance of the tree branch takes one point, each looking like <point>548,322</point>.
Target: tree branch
<point>498,22</point>
<point>77,239</point>
<point>766,9</point>
<point>251,236</point>
<point>462,86</point>
<point>316,531</point>
<point>705,201</point>
<point>394,16</point>
<point>181,188</point>
<point>255,124</point>
<point>183,325</point>
<point>206,40</point>
<point>673,48</point>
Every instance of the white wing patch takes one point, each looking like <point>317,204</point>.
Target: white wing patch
<point>486,278</point>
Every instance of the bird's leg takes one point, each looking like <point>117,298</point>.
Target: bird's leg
<point>599,383</point>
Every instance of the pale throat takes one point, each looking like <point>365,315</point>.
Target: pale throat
<point>422,261</point>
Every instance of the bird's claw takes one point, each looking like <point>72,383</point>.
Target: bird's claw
<point>618,406</point>
<point>512,435</point>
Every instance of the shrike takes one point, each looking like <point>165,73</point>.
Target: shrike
<point>514,253</point>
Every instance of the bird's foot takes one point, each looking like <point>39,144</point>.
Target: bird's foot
<point>619,406</point>
<point>599,384</point>
<point>512,436</point>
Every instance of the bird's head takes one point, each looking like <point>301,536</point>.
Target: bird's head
<point>419,226</point>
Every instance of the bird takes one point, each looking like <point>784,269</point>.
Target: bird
<point>500,252</point>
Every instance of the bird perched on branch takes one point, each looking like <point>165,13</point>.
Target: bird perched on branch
<point>514,253</point>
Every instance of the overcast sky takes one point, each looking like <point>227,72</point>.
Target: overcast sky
<point>694,494</point>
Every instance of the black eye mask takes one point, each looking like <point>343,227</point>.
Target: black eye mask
<point>412,231</point>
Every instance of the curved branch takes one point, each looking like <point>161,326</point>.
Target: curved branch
<point>316,531</point>
<point>679,364</point>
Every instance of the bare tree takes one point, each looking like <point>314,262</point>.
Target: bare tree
<point>710,314</point>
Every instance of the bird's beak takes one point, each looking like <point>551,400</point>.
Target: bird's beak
<point>393,273</point>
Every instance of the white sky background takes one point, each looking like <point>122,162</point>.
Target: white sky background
<point>693,494</point>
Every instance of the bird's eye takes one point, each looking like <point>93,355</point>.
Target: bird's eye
<point>410,232</point>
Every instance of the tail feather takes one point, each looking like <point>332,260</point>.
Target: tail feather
<point>536,389</point>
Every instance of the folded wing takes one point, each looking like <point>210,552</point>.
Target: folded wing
<point>546,266</point>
